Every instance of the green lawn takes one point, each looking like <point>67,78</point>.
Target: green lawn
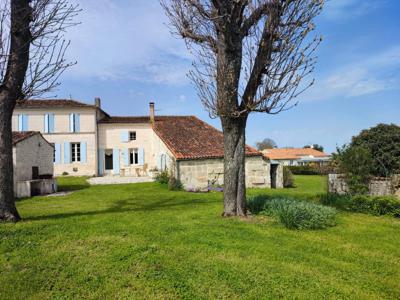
<point>143,241</point>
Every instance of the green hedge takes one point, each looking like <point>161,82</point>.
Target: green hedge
<point>375,205</point>
<point>305,170</point>
<point>294,214</point>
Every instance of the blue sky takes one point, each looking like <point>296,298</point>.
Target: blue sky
<point>127,57</point>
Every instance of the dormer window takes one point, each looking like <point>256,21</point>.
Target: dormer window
<point>132,135</point>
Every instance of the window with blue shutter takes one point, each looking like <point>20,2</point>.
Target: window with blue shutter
<point>23,122</point>
<point>74,123</point>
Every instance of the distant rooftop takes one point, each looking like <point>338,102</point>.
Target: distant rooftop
<point>292,153</point>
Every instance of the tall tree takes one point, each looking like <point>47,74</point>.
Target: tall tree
<point>32,52</point>
<point>251,56</point>
<point>315,146</point>
<point>266,143</point>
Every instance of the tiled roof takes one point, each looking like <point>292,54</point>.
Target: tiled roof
<point>292,153</point>
<point>129,120</point>
<point>187,137</point>
<point>20,136</point>
<point>55,103</point>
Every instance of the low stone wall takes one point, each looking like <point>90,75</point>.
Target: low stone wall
<point>378,186</point>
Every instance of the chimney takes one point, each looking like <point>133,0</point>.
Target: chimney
<point>152,112</point>
<point>97,102</point>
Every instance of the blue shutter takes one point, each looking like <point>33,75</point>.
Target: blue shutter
<point>24,122</point>
<point>67,153</point>
<point>20,118</point>
<point>71,123</point>
<point>77,122</point>
<point>46,123</point>
<point>101,161</point>
<point>141,157</point>
<point>51,123</point>
<point>125,136</point>
<point>57,148</point>
<point>116,161</point>
<point>83,152</point>
<point>127,157</point>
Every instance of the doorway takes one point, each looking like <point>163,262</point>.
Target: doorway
<point>108,161</point>
<point>274,173</point>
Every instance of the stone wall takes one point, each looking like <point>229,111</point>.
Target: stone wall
<point>378,186</point>
<point>34,151</point>
<point>198,174</point>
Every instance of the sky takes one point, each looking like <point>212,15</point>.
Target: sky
<point>126,56</point>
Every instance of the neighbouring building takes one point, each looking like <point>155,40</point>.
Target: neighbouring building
<point>297,156</point>
<point>33,164</point>
<point>88,141</point>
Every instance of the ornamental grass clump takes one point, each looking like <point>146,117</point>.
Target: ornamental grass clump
<point>294,214</point>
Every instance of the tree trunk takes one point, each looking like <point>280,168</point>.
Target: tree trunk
<point>8,211</point>
<point>10,91</point>
<point>234,166</point>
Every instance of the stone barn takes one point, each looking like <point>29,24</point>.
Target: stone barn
<point>33,160</point>
<point>194,150</point>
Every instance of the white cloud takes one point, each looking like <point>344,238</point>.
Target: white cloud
<point>126,39</point>
<point>369,75</point>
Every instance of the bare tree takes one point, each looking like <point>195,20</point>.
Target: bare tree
<point>32,49</point>
<point>251,56</point>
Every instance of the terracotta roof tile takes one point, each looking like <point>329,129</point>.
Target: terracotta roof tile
<point>292,153</point>
<point>190,138</point>
<point>58,103</point>
<point>20,136</point>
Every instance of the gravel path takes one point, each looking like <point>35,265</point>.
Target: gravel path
<point>118,180</point>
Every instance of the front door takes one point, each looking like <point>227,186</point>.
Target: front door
<point>108,161</point>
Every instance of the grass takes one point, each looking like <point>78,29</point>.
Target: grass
<point>143,241</point>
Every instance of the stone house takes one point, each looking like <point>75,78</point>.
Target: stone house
<point>88,141</point>
<point>33,164</point>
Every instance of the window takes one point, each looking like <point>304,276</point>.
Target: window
<point>48,123</point>
<point>74,123</point>
<point>134,156</point>
<point>75,152</point>
<point>132,135</point>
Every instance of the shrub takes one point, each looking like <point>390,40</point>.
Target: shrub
<point>294,214</point>
<point>162,177</point>
<point>304,170</point>
<point>65,173</point>
<point>174,184</point>
<point>288,180</point>
<point>375,205</point>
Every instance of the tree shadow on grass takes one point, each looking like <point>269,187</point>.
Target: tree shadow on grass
<point>130,205</point>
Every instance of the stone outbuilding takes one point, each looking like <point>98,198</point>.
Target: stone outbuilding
<point>196,155</point>
<point>33,158</point>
